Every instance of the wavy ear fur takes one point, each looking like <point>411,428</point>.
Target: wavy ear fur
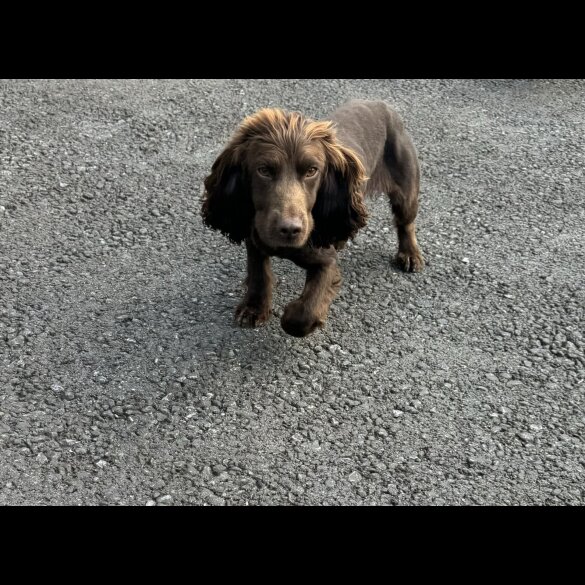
<point>339,210</point>
<point>227,204</point>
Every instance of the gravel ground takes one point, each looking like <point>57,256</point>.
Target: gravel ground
<point>124,381</point>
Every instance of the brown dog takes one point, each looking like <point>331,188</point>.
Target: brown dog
<point>292,187</point>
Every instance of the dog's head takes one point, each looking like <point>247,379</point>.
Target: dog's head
<point>290,179</point>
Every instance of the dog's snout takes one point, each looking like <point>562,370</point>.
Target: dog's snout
<point>291,227</point>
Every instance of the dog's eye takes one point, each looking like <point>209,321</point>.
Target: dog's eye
<point>311,172</point>
<point>264,171</point>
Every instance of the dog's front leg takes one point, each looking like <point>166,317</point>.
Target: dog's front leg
<point>310,310</point>
<point>255,309</point>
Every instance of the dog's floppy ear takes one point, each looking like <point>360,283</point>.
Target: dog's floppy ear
<point>227,203</point>
<point>339,210</point>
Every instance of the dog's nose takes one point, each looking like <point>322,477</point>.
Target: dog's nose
<point>290,228</point>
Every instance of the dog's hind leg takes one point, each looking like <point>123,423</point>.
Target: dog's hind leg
<point>402,187</point>
<point>405,208</point>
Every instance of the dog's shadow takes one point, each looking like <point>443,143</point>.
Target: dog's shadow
<point>181,332</point>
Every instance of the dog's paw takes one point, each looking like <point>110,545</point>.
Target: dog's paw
<point>250,316</point>
<point>297,321</point>
<point>410,261</point>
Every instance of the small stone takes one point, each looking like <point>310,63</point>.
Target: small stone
<point>492,377</point>
<point>219,468</point>
<point>101,463</point>
<point>211,498</point>
<point>354,477</point>
<point>526,437</point>
<point>330,483</point>
<point>42,459</point>
<point>165,500</point>
<point>151,503</point>
<point>465,260</point>
<point>16,341</point>
<point>2,209</point>
<point>57,388</point>
<point>314,446</point>
<point>397,412</point>
<point>155,212</point>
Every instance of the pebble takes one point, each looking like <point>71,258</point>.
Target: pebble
<point>165,500</point>
<point>151,503</point>
<point>526,437</point>
<point>42,459</point>
<point>397,413</point>
<point>354,477</point>
<point>211,498</point>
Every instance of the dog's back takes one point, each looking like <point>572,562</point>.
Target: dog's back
<point>376,133</point>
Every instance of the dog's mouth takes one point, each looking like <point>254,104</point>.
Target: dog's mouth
<point>279,241</point>
<point>290,241</point>
<point>278,236</point>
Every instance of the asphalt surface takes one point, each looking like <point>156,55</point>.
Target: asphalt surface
<point>123,379</point>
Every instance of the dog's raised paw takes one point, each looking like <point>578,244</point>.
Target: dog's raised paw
<point>297,321</point>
